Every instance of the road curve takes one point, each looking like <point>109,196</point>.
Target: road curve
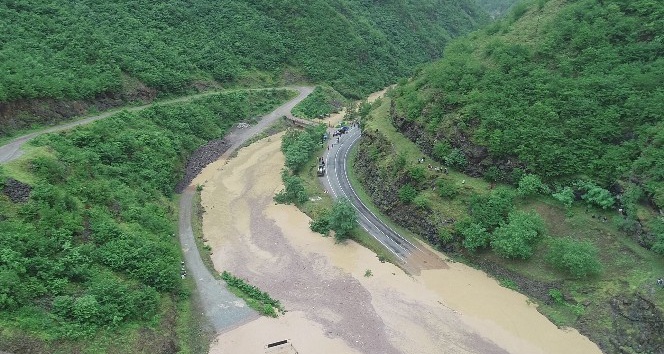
<point>411,257</point>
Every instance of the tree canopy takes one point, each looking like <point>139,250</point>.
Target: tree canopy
<point>72,50</point>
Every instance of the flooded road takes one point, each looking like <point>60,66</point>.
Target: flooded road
<point>333,307</point>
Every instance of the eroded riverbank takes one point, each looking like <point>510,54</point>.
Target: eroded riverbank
<point>332,306</point>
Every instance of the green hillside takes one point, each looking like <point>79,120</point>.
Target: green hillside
<point>89,257</point>
<point>572,93</point>
<point>496,8</point>
<point>543,161</point>
<point>74,50</point>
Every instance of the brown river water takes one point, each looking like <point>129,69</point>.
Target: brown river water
<point>332,307</point>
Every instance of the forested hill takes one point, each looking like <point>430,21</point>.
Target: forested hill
<point>79,49</point>
<point>568,90</point>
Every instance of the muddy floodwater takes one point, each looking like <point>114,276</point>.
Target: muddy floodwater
<point>332,306</point>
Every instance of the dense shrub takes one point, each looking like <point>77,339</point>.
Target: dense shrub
<point>530,185</point>
<point>490,211</point>
<point>447,189</point>
<point>299,146</point>
<point>94,246</point>
<point>321,224</point>
<point>293,191</point>
<point>474,236</point>
<point>577,258</point>
<point>518,237</point>
<point>565,196</point>
<point>407,193</point>
<point>598,196</point>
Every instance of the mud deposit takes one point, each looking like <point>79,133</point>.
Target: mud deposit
<point>332,306</point>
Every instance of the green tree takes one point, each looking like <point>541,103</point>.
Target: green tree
<point>577,258</point>
<point>407,193</point>
<point>490,211</point>
<point>517,238</point>
<point>343,219</point>
<point>293,191</point>
<point>475,236</point>
<point>531,184</point>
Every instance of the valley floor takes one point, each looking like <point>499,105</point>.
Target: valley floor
<point>332,305</point>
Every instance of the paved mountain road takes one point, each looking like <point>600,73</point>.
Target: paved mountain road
<point>412,257</point>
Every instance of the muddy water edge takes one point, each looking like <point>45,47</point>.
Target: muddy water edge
<point>332,306</point>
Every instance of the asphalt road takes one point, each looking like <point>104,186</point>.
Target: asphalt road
<point>338,185</point>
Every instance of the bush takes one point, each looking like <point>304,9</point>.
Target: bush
<point>293,192</point>
<point>422,202</point>
<point>343,219</point>
<point>530,185</point>
<point>494,174</point>
<point>577,258</point>
<point>321,224</point>
<point>565,196</point>
<point>475,236</point>
<point>447,189</point>
<point>517,238</point>
<point>260,300</point>
<point>456,158</point>
<point>490,211</point>
<point>299,146</point>
<point>407,193</point>
<point>417,173</point>
<point>596,195</point>
<point>441,150</point>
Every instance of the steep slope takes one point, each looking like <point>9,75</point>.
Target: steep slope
<point>533,149</point>
<point>570,92</point>
<point>90,49</point>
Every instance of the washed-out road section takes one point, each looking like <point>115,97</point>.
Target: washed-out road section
<point>222,308</point>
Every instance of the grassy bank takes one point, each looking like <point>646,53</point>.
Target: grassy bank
<point>629,271</point>
<point>94,261</point>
